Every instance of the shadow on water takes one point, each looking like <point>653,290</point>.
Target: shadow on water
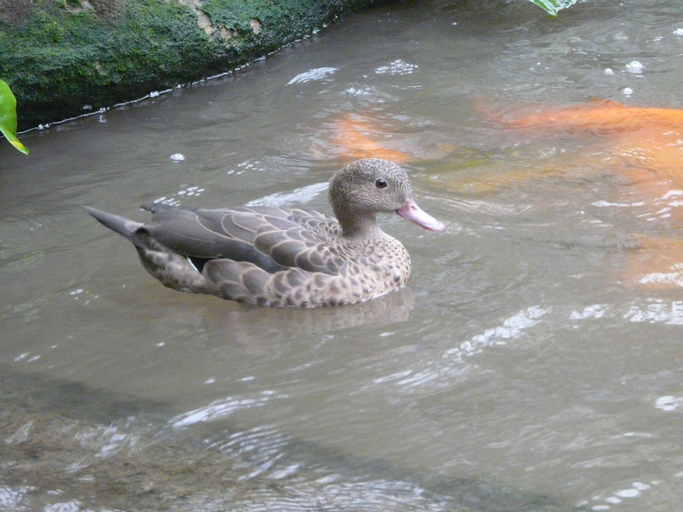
<point>62,438</point>
<point>250,326</point>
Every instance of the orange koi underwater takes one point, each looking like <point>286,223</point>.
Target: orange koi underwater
<point>600,117</point>
<point>644,144</point>
<point>356,135</point>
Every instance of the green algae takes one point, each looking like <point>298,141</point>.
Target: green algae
<point>60,56</point>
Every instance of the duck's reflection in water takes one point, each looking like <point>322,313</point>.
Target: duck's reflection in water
<point>261,329</point>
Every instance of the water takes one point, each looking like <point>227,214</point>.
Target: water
<point>519,371</point>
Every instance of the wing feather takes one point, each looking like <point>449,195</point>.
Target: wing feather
<point>270,238</point>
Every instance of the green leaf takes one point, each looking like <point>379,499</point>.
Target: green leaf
<point>552,7</point>
<point>8,117</point>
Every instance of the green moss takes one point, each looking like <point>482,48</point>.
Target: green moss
<point>276,22</point>
<point>62,57</point>
<point>61,60</point>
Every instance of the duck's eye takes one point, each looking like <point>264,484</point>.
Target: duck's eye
<point>381,183</point>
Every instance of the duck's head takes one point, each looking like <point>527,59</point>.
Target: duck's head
<point>366,187</point>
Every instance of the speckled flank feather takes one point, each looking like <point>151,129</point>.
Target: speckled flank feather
<point>281,257</point>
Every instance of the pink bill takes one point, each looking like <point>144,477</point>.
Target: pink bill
<point>412,212</point>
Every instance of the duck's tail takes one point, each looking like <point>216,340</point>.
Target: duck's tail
<point>125,227</point>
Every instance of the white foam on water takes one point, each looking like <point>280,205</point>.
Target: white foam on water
<point>397,67</point>
<point>668,403</point>
<point>312,75</point>
<point>635,67</point>
<point>299,195</point>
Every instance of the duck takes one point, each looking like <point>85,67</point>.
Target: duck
<point>284,257</point>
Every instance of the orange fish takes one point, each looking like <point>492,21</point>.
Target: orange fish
<point>642,143</point>
<point>601,117</point>
<point>357,137</point>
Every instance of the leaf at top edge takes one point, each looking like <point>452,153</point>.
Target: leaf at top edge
<point>552,7</point>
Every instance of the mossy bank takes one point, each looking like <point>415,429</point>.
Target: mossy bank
<point>59,55</point>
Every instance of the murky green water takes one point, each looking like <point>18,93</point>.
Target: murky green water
<point>516,373</point>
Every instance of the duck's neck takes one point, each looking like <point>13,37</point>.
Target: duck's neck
<point>359,226</point>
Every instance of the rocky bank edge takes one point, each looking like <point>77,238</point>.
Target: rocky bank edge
<point>59,55</point>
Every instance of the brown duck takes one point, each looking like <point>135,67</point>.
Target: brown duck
<point>285,257</point>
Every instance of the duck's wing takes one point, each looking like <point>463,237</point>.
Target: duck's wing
<point>270,238</point>
<point>309,243</point>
